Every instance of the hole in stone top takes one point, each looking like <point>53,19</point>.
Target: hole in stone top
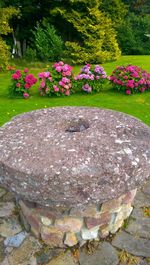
<point>77,125</point>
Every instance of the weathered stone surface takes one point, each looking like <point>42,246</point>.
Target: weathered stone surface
<point>63,259</point>
<point>10,227</point>
<point>137,213</point>
<point>2,192</point>
<point>112,205</point>
<point>23,254</point>
<point>141,200</point>
<point>69,224</point>
<point>52,236</point>
<point>104,231</point>
<point>129,196</point>
<point>113,228</point>
<point>6,209</point>
<point>103,219</point>
<point>134,245</point>
<point>88,234</point>
<point>105,160</point>
<point>46,221</point>
<point>15,241</point>
<point>2,253</point>
<point>105,255</point>
<point>5,262</point>
<point>24,222</point>
<point>139,227</point>
<point>146,187</point>
<point>70,239</point>
<point>124,212</point>
<point>8,250</point>
<point>45,255</point>
<point>33,219</point>
<point>9,197</point>
<point>88,211</point>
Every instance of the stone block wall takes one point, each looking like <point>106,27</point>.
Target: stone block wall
<point>61,227</point>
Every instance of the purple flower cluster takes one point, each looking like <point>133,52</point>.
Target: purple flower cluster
<point>131,79</point>
<point>91,79</point>
<point>87,88</point>
<point>100,71</point>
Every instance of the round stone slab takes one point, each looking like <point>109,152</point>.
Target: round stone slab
<point>73,156</point>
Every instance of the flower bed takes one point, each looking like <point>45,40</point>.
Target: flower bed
<point>130,79</point>
<point>60,81</point>
<point>21,83</point>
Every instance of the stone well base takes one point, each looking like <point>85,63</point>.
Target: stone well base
<point>62,228</point>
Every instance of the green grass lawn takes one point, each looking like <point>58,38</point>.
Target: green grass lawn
<point>137,105</point>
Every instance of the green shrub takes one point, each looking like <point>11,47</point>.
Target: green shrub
<point>30,54</point>
<point>48,44</point>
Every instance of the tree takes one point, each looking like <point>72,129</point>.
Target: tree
<point>30,11</point>
<point>115,9</point>
<point>48,44</point>
<point>5,15</point>
<point>138,7</point>
<point>134,35</point>
<point>91,36</point>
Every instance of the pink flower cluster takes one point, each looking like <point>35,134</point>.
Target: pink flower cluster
<point>46,79</point>
<point>64,69</point>
<point>91,79</point>
<point>57,81</point>
<point>131,79</point>
<point>17,75</point>
<point>21,82</point>
<point>30,80</point>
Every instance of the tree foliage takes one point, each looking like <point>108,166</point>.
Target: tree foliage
<point>115,9</point>
<point>88,28</point>
<point>134,35</point>
<point>5,15</point>
<point>92,37</point>
<point>48,44</point>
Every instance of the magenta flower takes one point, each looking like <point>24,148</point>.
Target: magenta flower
<point>26,70</point>
<point>42,84</point>
<point>58,69</point>
<point>142,89</point>
<point>16,76</point>
<point>41,75</point>
<point>67,93</point>
<point>128,92</point>
<point>27,86</point>
<point>18,85</point>
<point>65,80</point>
<point>25,95</point>
<point>56,88</point>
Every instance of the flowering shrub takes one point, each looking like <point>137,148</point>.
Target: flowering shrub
<point>90,80</point>
<point>21,83</point>
<point>130,79</point>
<point>56,82</point>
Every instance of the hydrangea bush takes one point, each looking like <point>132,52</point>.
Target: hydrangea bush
<point>22,81</point>
<point>57,81</point>
<point>130,79</point>
<point>91,80</point>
